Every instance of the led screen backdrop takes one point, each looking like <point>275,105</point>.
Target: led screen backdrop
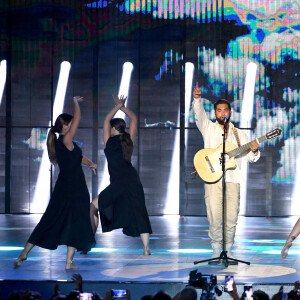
<point>220,38</point>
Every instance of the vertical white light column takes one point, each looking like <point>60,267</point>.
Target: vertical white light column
<point>295,207</point>
<point>124,85</point>
<point>2,78</point>
<point>245,122</point>
<point>172,199</point>
<point>189,72</point>
<point>42,189</point>
<point>123,91</point>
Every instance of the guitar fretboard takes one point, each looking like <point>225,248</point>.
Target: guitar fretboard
<point>244,148</point>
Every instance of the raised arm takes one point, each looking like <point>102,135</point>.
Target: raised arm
<point>68,137</point>
<point>132,117</point>
<point>109,116</point>
<point>201,118</point>
<point>133,122</point>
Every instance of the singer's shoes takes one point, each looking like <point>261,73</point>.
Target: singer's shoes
<point>231,262</point>
<point>216,254</point>
<point>215,262</point>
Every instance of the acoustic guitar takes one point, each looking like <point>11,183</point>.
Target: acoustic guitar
<point>208,162</point>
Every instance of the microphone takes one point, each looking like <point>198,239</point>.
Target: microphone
<point>225,121</point>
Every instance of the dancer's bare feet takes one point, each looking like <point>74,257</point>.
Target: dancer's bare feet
<point>70,265</point>
<point>287,246</point>
<point>19,260</point>
<point>147,251</point>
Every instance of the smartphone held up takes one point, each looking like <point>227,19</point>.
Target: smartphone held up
<point>248,292</point>
<point>119,294</point>
<point>228,283</point>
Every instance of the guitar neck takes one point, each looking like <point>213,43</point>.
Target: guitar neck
<point>244,148</point>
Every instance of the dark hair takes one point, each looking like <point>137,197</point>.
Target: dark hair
<point>188,293</point>
<point>161,295</point>
<point>24,295</point>
<point>222,101</point>
<point>63,119</point>
<point>261,295</point>
<point>147,297</point>
<point>126,142</point>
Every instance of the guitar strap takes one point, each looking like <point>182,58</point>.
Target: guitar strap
<point>237,137</point>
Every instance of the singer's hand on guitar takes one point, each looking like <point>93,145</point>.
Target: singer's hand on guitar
<point>207,161</point>
<point>254,147</point>
<point>197,91</point>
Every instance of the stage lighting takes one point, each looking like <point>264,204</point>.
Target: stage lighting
<point>2,78</point>
<point>103,250</point>
<point>189,72</point>
<point>248,97</point>
<point>62,84</point>
<point>278,252</point>
<point>295,206</point>
<point>245,122</point>
<point>42,188</point>
<point>10,248</point>
<point>172,199</point>
<point>123,91</point>
<point>124,85</point>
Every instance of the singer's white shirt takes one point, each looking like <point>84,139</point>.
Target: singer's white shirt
<point>212,134</point>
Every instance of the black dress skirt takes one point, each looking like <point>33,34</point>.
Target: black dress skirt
<point>66,220</point>
<point>122,203</point>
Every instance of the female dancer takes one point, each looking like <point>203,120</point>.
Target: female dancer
<point>122,203</point>
<point>292,236</point>
<point>66,220</point>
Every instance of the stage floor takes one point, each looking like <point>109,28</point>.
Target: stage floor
<point>176,243</point>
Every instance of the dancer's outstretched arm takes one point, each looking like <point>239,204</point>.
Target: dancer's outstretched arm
<point>109,116</point>
<point>292,236</point>
<point>133,121</point>
<point>90,164</point>
<point>68,137</point>
<point>295,231</point>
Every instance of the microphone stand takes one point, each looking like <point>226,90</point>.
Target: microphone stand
<point>223,258</point>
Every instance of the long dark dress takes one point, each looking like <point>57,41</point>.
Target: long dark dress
<point>66,220</point>
<point>122,203</point>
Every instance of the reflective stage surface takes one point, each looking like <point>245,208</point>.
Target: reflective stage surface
<point>176,243</point>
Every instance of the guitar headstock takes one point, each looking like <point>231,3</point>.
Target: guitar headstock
<point>273,133</point>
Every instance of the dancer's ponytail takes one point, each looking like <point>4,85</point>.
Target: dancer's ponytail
<point>126,142</point>
<point>51,141</point>
<point>63,119</point>
<point>127,145</point>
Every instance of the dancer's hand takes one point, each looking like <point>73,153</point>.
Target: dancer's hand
<point>93,167</point>
<point>197,91</point>
<point>78,282</point>
<point>56,289</point>
<point>108,295</point>
<point>119,101</point>
<point>78,98</point>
